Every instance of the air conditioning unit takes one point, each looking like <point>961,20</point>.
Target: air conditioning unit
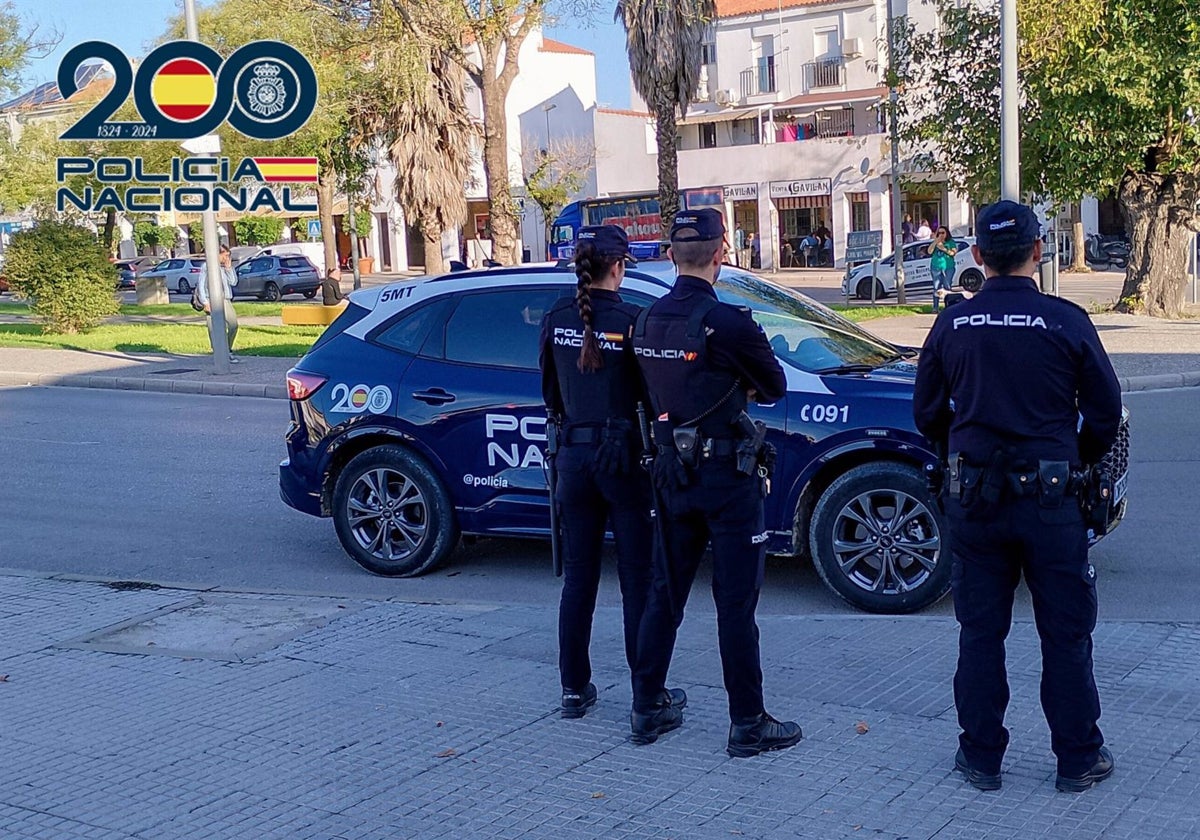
<point>852,47</point>
<point>725,98</point>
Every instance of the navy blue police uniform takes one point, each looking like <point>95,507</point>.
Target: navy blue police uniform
<point>599,482</point>
<point>1003,380</point>
<point>701,358</point>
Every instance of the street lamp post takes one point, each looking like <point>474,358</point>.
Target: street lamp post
<point>546,109</point>
<point>893,99</point>
<point>212,243</point>
<point>1010,139</point>
<point>353,240</point>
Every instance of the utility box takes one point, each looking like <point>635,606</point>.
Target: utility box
<point>152,290</point>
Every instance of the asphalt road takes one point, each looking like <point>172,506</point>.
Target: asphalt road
<point>173,488</point>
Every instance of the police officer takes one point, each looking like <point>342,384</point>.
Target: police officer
<point>702,361</point>
<point>1005,377</point>
<point>591,380</point>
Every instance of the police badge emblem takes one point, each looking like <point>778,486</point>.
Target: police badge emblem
<point>267,93</point>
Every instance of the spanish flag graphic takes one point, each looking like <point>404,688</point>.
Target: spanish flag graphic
<point>183,90</point>
<point>290,170</point>
<point>615,338</point>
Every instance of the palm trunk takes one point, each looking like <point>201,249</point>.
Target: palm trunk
<point>1160,214</point>
<point>431,241</point>
<point>668,161</point>
<point>1078,240</point>
<point>326,188</point>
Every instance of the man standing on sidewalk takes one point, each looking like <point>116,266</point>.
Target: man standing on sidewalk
<point>1020,369</point>
<point>228,279</point>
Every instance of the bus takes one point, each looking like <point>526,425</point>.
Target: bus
<point>638,214</point>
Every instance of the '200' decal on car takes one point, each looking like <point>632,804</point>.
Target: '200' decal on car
<point>360,398</point>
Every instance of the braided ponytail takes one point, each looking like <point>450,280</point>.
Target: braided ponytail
<point>587,264</point>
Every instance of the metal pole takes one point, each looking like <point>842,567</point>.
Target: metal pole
<point>893,126</point>
<point>212,246</point>
<point>1010,139</point>
<point>354,240</point>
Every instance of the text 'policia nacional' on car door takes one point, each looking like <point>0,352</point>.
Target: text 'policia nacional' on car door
<point>417,417</point>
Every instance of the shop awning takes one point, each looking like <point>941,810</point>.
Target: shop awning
<point>802,202</point>
<point>814,101</point>
<point>722,116</point>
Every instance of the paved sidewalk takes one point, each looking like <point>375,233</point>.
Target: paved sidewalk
<point>260,716</point>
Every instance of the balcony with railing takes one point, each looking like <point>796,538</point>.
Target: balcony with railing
<point>825,73</point>
<point>760,78</point>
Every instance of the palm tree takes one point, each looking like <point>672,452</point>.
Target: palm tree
<point>663,40</point>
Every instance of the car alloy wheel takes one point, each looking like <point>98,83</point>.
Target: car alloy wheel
<point>388,514</point>
<point>271,292</point>
<point>185,288</point>
<point>886,542</point>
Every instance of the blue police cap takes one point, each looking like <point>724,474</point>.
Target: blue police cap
<point>707,224</point>
<point>1006,224</point>
<point>610,241</point>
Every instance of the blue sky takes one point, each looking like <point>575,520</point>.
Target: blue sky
<point>133,24</point>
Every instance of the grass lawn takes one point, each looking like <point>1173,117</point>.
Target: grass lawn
<point>870,313</point>
<point>243,308</point>
<point>286,342</point>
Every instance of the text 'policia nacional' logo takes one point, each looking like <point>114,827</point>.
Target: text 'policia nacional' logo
<point>183,90</point>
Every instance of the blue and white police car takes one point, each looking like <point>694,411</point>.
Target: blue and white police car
<point>417,417</point>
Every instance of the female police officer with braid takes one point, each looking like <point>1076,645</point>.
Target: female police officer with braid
<point>590,379</point>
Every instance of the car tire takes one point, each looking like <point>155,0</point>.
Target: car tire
<point>414,535</point>
<point>854,543</point>
<point>271,292</point>
<point>972,274</point>
<point>310,294</point>
<point>863,290</point>
<point>184,287</point>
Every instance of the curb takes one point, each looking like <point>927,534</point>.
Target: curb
<point>1129,384</point>
<point>138,383</point>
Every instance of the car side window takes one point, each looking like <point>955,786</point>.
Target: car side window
<point>499,328</point>
<point>171,265</point>
<point>260,265</point>
<point>408,333</point>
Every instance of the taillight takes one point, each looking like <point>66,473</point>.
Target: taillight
<point>302,385</point>
<point>194,270</point>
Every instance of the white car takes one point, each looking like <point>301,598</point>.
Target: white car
<point>180,274</point>
<point>917,276</point>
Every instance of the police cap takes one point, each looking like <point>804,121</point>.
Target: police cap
<point>701,225</point>
<point>1006,224</point>
<point>610,241</point>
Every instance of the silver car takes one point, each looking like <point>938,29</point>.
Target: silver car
<point>180,274</point>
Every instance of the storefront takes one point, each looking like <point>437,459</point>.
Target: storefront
<point>804,207</point>
<point>741,211</point>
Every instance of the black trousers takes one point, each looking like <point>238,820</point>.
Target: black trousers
<point>992,549</point>
<point>590,502</point>
<point>725,508</point>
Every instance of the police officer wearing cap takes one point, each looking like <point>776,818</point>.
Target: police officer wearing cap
<point>1005,379</point>
<point>702,361</point>
<point>591,381</point>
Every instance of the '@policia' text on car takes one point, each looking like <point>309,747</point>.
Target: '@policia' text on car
<point>417,417</point>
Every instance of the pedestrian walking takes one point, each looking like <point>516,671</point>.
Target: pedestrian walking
<point>924,231</point>
<point>754,243</point>
<point>906,229</point>
<point>331,287</point>
<point>228,281</point>
<point>703,360</point>
<point>741,254</point>
<point>592,384</point>
<point>941,264</point>
<point>1021,369</point>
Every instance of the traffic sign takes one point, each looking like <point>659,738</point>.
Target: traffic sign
<point>863,245</point>
<point>314,228</point>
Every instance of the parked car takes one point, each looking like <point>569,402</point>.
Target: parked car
<point>272,277</point>
<point>315,251</point>
<point>181,274</point>
<point>917,275</point>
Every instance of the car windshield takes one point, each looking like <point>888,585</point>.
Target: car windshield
<point>802,332</point>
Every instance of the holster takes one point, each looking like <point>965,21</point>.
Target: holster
<point>687,444</point>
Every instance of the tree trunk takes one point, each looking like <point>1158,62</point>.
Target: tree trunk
<point>1160,220</point>
<point>326,190</point>
<point>431,239</point>
<point>505,240</point>
<point>1078,240</point>
<point>668,162</point>
<point>110,222</point>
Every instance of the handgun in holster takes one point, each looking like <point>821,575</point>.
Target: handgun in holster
<point>750,447</point>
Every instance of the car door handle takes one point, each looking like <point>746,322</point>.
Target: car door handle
<point>434,396</point>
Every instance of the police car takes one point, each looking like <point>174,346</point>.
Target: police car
<point>417,417</point>
<point>918,275</point>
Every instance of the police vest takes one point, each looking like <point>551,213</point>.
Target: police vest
<point>672,351</point>
<point>613,390</point>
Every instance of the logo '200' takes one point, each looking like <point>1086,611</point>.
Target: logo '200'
<point>183,90</point>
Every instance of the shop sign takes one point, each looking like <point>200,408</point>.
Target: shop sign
<point>741,192</point>
<point>806,186</point>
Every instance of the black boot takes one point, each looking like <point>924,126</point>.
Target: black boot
<point>645,727</point>
<point>762,735</point>
<point>576,703</point>
<point>979,779</point>
<point>1101,770</point>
